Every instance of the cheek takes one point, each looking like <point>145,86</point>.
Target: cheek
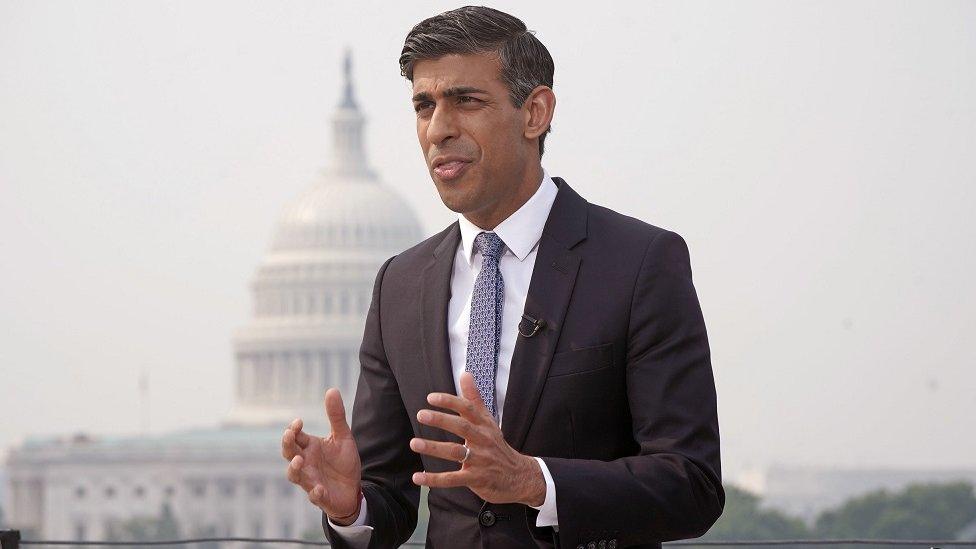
<point>422,135</point>
<point>505,146</point>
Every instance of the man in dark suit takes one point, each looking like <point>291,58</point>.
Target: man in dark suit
<point>541,364</point>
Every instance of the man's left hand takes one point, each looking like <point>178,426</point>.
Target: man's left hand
<point>493,470</point>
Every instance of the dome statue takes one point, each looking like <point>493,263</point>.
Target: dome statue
<point>313,287</point>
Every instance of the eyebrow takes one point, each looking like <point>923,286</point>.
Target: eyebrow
<point>449,92</point>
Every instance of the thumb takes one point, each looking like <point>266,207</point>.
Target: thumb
<point>336,412</point>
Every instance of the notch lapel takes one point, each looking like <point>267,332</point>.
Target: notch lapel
<point>551,286</point>
<point>435,293</point>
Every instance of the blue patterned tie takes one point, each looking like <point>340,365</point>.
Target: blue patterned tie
<point>484,330</point>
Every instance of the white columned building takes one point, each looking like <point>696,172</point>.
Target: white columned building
<point>314,286</point>
<point>310,295</point>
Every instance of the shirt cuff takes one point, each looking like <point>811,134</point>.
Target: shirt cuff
<point>358,533</point>
<point>547,511</point>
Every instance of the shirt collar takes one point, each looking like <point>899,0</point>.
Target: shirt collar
<point>521,230</point>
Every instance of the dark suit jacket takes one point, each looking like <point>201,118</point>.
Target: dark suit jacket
<point>615,393</point>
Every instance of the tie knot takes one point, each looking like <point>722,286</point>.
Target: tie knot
<point>489,244</point>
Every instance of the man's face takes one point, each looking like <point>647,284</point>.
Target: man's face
<point>471,135</point>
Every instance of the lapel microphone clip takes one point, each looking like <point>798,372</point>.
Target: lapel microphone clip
<point>529,326</point>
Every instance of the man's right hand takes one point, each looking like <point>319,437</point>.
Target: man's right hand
<point>328,469</point>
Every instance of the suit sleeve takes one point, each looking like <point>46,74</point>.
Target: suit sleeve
<point>382,430</point>
<point>547,511</point>
<point>673,488</point>
<point>357,534</point>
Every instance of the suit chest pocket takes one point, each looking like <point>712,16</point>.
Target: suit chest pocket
<point>578,361</point>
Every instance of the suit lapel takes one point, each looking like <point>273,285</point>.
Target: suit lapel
<point>551,286</point>
<point>435,293</point>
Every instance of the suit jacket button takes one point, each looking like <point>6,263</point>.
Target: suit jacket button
<point>487,517</point>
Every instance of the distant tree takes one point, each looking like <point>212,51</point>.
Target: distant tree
<point>314,534</point>
<point>145,528</point>
<point>920,511</point>
<point>742,519</point>
<point>166,526</point>
<point>206,531</point>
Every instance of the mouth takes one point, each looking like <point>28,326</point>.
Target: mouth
<point>449,170</point>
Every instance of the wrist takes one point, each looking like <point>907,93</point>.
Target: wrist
<point>350,518</point>
<point>534,482</point>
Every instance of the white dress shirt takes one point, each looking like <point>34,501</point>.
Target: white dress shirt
<point>521,233</point>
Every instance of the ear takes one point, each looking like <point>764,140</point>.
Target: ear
<point>538,110</point>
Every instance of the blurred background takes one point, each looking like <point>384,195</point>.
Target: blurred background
<point>195,197</point>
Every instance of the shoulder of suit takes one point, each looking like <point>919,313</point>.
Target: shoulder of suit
<point>419,255</point>
<point>606,224</point>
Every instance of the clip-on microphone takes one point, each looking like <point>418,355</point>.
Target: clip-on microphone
<point>531,325</point>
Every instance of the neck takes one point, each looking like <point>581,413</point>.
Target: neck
<point>489,218</point>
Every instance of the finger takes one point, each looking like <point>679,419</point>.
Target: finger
<point>469,390</point>
<point>450,479</point>
<point>449,422</point>
<point>336,412</point>
<point>289,448</point>
<point>462,406</point>
<point>297,476</point>
<point>294,472</point>
<point>301,437</point>
<point>318,496</point>
<point>450,451</point>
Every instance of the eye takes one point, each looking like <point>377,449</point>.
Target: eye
<point>417,107</point>
<point>466,99</point>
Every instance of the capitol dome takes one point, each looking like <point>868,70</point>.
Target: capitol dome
<point>339,213</point>
<point>314,285</point>
<point>310,294</point>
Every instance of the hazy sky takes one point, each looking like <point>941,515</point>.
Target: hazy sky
<point>818,157</point>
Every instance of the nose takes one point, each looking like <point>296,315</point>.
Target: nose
<point>442,126</point>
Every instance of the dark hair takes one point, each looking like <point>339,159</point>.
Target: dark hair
<point>525,62</point>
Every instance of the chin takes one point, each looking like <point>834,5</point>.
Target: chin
<point>460,202</point>
<point>459,196</point>
<point>454,203</point>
